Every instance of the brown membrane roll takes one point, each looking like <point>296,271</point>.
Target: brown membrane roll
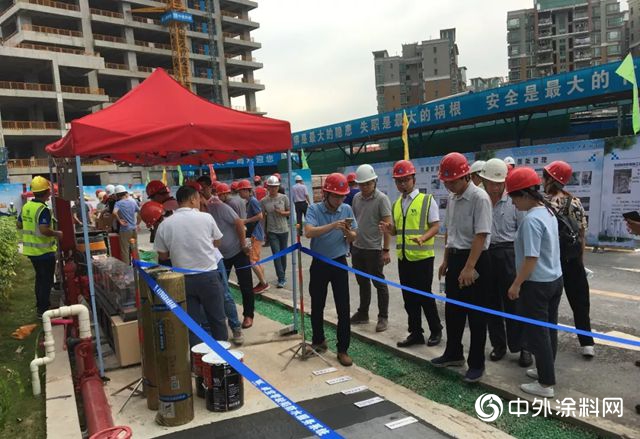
<point>147,347</point>
<point>171,339</point>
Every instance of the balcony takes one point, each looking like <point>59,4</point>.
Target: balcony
<point>542,48</point>
<point>544,63</point>
<point>29,125</point>
<point>146,20</point>
<point>25,86</point>
<point>581,29</point>
<point>579,16</point>
<point>582,42</point>
<point>52,30</point>
<point>55,49</point>
<point>544,35</point>
<point>545,22</point>
<point>81,90</point>
<point>53,4</point>
<point>105,13</point>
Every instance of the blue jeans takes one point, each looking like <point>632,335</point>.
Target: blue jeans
<point>229,305</point>
<point>278,242</point>
<point>205,292</point>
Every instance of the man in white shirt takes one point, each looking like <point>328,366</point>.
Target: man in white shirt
<point>189,237</point>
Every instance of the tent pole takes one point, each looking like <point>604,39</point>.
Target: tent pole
<point>292,231</point>
<point>87,255</point>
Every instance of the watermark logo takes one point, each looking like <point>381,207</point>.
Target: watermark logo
<point>488,407</point>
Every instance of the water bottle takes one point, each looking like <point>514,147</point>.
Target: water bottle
<point>443,287</point>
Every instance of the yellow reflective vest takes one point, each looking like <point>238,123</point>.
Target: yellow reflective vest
<point>34,243</point>
<point>413,225</point>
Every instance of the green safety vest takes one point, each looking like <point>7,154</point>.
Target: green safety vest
<point>413,225</point>
<point>34,243</point>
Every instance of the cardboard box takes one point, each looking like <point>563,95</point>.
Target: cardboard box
<point>125,341</point>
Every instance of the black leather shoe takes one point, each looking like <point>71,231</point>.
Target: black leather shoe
<point>525,359</point>
<point>410,341</point>
<point>434,339</point>
<point>497,354</point>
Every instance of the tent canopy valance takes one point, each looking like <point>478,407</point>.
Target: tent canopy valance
<point>161,122</point>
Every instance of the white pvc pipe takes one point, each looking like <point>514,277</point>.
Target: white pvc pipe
<point>84,324</point>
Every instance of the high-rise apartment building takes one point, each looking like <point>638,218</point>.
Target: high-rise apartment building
<point>64,59</point>
<point>425,71</point>
<point>563,35</point>
<point>481,84</point>
<point>633,27</point>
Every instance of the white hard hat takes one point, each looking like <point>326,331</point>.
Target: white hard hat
<point>477,166</point>
<point>298,177</point>
<point>111,189</point>
<point>120,189</point>
<point>510,161</point>
<point>365,173</point>
<point>495,170</point>
<point>273,181</point>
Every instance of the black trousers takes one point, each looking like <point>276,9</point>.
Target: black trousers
<point>245,280</point>
<point>321,275</point>
<point>205,291</point>
<point>301,209</point>
<point>540,301</point>
<point>419,275</point>
<point>456,316</point>
<point>503,273</point>
<point>45,269</point>
<point>576,286</point>
<point>370,261</point>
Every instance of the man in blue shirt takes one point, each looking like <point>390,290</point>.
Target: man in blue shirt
<point>353,188</point>
<point>126,211</point>
<point>331,227</point>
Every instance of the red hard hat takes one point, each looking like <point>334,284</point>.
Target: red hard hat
<point>521,178</point>
<point>156,187</point>
<point>194,184</point>
<point>257,178</point>
<point>244,184</point>
<point>98,191</point>
<point>351,177</point>
<point>560,171</point>
<point>336,184</point>
<point>234,186</point>
<point>223,188</point>
<point>403,168</point>
<point>453,166</point>
<point>278,175</point>
<point>151,212</point>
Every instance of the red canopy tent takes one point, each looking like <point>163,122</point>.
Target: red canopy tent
<point>161,122</point>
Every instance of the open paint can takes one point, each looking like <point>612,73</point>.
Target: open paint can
<point>197,352</point>
<point>224,385</point>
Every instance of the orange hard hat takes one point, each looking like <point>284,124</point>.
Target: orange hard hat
<point>156,187</point>
<point>151,212</point>
<point>351,177</point>
<point>336,183</point>
<point>453,166</point>
<point>403,168</point>
<point>244,184</point>
<point>223,188</point>
<point>521,178</point>
<point>560,171</point>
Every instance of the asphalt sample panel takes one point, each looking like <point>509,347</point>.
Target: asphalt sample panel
<point>336,411</point>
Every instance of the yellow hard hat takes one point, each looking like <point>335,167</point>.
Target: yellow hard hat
<point>40,184</point>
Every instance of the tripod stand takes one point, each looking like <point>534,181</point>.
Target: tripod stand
<point>302,350</point>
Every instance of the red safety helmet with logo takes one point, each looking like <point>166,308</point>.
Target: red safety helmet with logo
<point>403,168</point>
<point>156,187</point>
<point>223,188</point>
<point>151,213</point>
<point>244,184</point>
<point>560,171</point>
<point>453,166</point>
<point>351,177</point>
<point>336,184</point>
<point>194,184</point>
<point>521,178</point>
<point>234,186</point>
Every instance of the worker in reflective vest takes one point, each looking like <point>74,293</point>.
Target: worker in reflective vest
<point>39,240</point>
<point>415,223</point>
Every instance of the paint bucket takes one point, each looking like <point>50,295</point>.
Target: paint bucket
<point>224,385</point>
<point>197,352</point>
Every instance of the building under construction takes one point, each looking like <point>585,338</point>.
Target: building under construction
<point>61,60</point>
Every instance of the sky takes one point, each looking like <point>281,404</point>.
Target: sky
<point>317,55</point>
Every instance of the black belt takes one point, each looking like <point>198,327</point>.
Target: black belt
<point>501,245</point>
<point>458,251</point>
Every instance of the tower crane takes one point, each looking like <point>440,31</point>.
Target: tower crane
<point>175,15</point>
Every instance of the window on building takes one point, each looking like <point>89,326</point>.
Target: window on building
<point>435,72</point>
<point>408,78</point>
<point>613,7</point>
<point>613,35</point>
<point>597,52</point>
<point>613,50</point>
<point>435,49</point>
<point>614,22</point>
<point>513,23</point>
<point>596,25</point>
<point>514,50</point>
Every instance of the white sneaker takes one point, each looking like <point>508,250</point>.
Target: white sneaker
<point>532,373</point>
<point>588,351</point>
<point>535,388</point>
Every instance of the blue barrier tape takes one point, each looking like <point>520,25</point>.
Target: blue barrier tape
<point>469,305</point>
<point>280,254</point>
<point>292,409</point>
